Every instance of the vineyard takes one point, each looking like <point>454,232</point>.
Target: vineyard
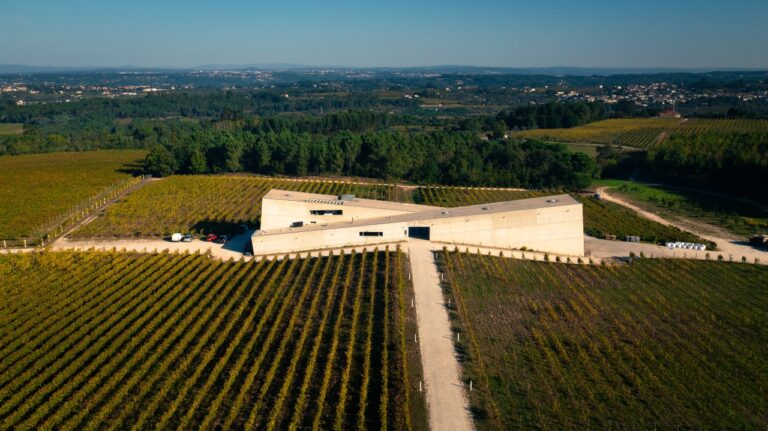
<point>645,132</point>
<point>701,126</point>
<point>631,132</point>
<point>600,218</point>
<point>105,340</point>
<point>39,191</point>
<point>202,204</point>
<point>658,344</point>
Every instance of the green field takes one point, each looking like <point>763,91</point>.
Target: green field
<point>659,344</point>
<point>109,340</point>
<point>11,129</point>
<point>645,132</point>
<point>203,204</point>
<point>39,191</point>
<point>738,216</point>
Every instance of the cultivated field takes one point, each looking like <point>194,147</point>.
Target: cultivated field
<point>600,218</point>
<point>645,132</point>
<point>631,132</point>
<point>696,126</point>
<point>39,191</point>
<point>105,340</point>
<point>205,203</point>
<point>659,344</point>
<point>11,129</point>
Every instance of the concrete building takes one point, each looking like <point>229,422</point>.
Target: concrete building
<point>294,221</point>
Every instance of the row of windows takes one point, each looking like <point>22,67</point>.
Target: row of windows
<point>367,233</point>
<point>326,212</point>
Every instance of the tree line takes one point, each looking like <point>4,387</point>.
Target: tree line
<point>432,158</point>
<point>738,162</point>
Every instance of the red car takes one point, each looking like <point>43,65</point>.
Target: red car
<point>211,237</point>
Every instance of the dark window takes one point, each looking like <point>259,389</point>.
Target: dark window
<point>371,233</point>
<point>326,212</point>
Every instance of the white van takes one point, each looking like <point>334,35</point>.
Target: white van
<point>176,237</point>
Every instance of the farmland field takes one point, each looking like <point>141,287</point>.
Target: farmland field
<point>600,218</point>
<point>204,203</point>
<point>38,190</point>
<point>633,132</point>
<point>659,344</point>
<point>696,126</point>
<point>105,340</point>
<point>645,132</point>
<point>11,129</point>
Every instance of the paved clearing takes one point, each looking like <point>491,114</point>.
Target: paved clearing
<point>446,401</point>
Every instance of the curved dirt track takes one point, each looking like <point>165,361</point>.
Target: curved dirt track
<point>726,246</point>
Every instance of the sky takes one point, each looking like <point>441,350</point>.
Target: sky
<point>395,33</point>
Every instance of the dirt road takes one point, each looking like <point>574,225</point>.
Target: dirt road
<point>446,401</point>
<point>726,246</point>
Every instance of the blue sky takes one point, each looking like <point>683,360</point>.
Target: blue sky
<point>584,33</point>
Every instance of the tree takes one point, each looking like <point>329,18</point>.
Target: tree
<point>197,163</point>
<point>160,162</point>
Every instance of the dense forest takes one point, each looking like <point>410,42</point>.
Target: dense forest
<point>433,158</point>
<point>738,162</point>
<point>566,115</point>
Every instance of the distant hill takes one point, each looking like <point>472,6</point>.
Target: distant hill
<point>447,69</point>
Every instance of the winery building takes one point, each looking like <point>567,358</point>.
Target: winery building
<point>295,221</point>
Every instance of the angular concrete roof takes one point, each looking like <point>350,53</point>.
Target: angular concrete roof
<point>288,195</point>
<point>425,213</point>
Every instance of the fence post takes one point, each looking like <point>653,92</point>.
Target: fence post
<point>25,243</point>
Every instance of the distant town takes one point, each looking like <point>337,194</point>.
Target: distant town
<point>427,90</point>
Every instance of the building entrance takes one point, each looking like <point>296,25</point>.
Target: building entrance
<point>419,232</point>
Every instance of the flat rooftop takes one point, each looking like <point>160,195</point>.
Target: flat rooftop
<point>431,213</point>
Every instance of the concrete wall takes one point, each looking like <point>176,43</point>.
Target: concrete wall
<point>279,214</point>
<point>328,238</point>
<point>557,230</point>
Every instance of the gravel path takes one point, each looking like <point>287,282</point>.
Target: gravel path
<point>446,401</point>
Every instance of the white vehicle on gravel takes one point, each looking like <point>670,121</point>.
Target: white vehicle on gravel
<point>176,237</point>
